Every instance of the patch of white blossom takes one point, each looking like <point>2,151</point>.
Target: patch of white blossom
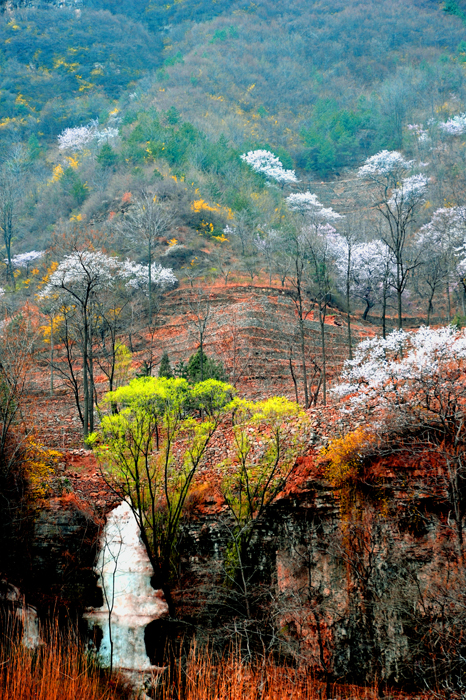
<point>411,190</point>
<point>371,267</point>
<point>455,126</point>
<point>421,133</point>
<point>384,163</point>
<point>306,202</point>
<point>267,164</point>
<point>93,270</point>
<point>76,138</point>
<point>25,259</point>
<point>137,275</point>
<point>411,374</point>
<point>446,229</point>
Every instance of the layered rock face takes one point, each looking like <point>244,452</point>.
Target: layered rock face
<point>49,552</point>
<point>361,586</point>
<point>364,585</point>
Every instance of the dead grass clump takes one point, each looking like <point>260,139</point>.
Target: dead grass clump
<point>59,669</point>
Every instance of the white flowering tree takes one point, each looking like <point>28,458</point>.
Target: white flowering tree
<point>24,260</point>
<point>142,277</point>
<point>311,254</point>
<point>440,243</point>
<point>411,389</point>
<point>365,271</point>
<point>78,287</point>
<point>455,126</point>
<point>75,285</point>
<point>78,137</point>
<point>265,163</point>
<point>398,196</point>
<point>374,276</point>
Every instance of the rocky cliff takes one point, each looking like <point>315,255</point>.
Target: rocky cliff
<point>361,585</point>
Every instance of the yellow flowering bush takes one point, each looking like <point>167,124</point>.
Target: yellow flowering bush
<point>344,456</point>
<point>39,467</point>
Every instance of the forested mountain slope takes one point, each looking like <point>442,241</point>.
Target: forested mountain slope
<point>168,97</point>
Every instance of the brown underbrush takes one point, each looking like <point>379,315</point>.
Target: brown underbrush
<point>201,676</point>
<point>58,669</point>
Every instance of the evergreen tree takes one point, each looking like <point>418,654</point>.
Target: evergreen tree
<point>107,157</point>
<point>165,369</point>
<point>201,367</point>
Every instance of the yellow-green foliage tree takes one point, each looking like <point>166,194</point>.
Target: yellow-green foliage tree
<point>136,449</point>
<point>268,436</point>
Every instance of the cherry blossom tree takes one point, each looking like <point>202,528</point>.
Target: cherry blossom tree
<point>26,259</point>
<point>365,271</point>
<point>440,243</point>
<point>267,164</point>
<point>77,280</point>
<point>410,388</point>
<point>308,204</point>
<point>455,126</point>
<point>310,274</point>
<point>399,195</point>
<point>76,138</point>
<point>143,277</point>
<point>342,245</point>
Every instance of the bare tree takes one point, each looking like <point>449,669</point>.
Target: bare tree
<point>10,198</point>
<point>311,278</point>
<point>199,308</point>
<point>145,222</point>
<point>17,344</point>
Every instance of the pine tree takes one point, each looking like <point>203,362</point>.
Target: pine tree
<point>201,367</point>
<point>165,369</point>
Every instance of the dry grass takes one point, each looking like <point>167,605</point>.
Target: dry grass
<point>200,677</point>
<point>58,670</point>
<point>62,670</point>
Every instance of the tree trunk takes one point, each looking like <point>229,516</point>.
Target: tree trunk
<point>348,308</point>
<point>384,311</point>
<point>400,312</point>
<point>366,310</point>
<point>150,282</point>
<point>448,301</point>
<point>85,380</point>
<point>202,356</point>
<point>324,359</point>
<point>303,361</point>
<point>91,385</point>
<point>294,378</point>
<point>51,356</point>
